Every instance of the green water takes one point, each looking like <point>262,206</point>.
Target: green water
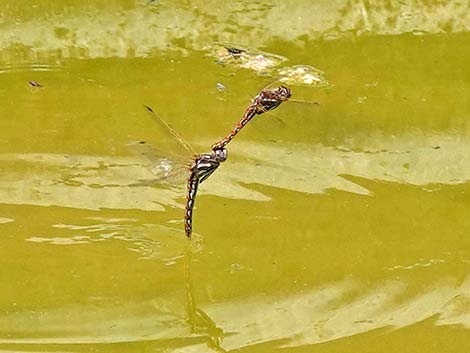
<point>338,227</point>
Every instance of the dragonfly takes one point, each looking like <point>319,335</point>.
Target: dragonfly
<point>198,167</point>
<point>266,100</point>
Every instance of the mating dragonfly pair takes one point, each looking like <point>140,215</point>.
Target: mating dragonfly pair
<point>204,165</point>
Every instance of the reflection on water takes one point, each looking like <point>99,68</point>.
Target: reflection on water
<point>326,314</point>
<point>33,67</point>
<point>164,246</point>
<point>93,183</point>
<point>156,320</point>
<point>317,315</point>
<point>112,182</point>
<point>353,220</point>
<point>140,30</point>
<point>414,159</point>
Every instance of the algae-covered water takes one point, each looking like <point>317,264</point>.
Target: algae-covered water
<point>341,226</point>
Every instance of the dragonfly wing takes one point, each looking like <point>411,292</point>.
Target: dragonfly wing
<point>165,168</point>
<point>168,134</point>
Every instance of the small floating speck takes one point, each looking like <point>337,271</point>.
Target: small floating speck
<point>220,87</point>
<point>361,99</point>
<point>35,84</point>
<point>371,84</point>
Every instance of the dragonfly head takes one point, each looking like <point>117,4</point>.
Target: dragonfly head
<point>220,154</point>
<point>283,93</point>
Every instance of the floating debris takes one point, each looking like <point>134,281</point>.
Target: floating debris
<point>361,99</point>
<point>220,87</point>
<point>35,84</point>
<point>266,63</point>
<point>257,61</point>
<point>234,51</point>
<point>260,63</point>
<point>303,75</point>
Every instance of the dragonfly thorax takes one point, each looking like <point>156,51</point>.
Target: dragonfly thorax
<point>268,100</point>
<point>206,163</point>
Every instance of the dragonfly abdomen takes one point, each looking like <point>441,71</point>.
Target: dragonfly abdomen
<point>265,101</point>
<point>249,114</point>
<point>193,183</point>
<point>202,167</point>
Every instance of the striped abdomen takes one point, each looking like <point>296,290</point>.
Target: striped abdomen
<point>193,183</point>
<point>249,114</point>
<point>265,101</point>
<point>202,167</point>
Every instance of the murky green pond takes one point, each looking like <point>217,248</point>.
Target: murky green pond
<point>341,226</point>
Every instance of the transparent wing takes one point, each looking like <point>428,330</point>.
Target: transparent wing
<point>172,136</point>
<point>163,168</point>
<point>274,120</point>
<point>168,155</point>
<point>280,82</point>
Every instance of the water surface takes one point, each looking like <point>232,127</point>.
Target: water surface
<point>337,227</point>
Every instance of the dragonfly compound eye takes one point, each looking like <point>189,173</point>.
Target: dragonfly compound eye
<point>284,93</point>
<point>221,154</point>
